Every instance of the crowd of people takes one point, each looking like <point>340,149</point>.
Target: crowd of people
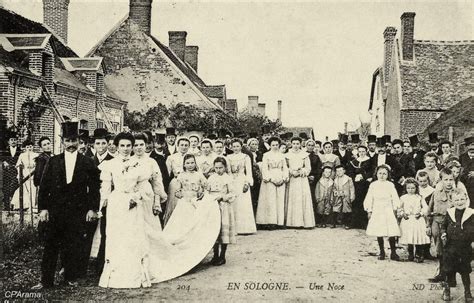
<point>154,196</point>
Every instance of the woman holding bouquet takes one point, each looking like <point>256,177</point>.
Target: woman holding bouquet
<point>271,203</point>
<point>299,212</point>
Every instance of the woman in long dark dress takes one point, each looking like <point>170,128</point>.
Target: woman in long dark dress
<point>316,168</point>
<point>360,170</point>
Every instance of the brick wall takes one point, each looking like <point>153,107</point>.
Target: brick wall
<point>140,13</point>
<point>414,122</point>
<point>75,104</point>
<point>6,102</point>
<point>55,16</point>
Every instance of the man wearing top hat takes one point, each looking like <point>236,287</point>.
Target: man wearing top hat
<point>170,147</point>
<point>434,143</point>
<point>84,143</point>
<point>158,154</point>
<point>388,143</point>
<point>467,164</point>
<point>355,140</point>
<point>68,198</point>
<point>344,155</point>
<point>371,145</point>
<point>417,154</point>
<point>382,157</point>
<point>100,139</point>
<point>8,159</point>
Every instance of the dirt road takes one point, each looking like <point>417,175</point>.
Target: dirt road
<point>330,265</point>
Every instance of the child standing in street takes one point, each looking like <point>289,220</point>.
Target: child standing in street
<point>431,159</point>
<point>344,195</point>
<point>324,196</point>
<point>425,191</point>
<point>381,205</point>
<point>413,226</point>
<point>457,233</point>
<point>219,186</point>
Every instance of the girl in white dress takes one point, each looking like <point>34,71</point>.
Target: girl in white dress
<point>381,204</point>
<point>271,201</point>
<point>299,205</point>
<point>174,164</point>
<point>240,168</point>
<point>413,224</point>
<point>137,189</point>
<point>219,187</point>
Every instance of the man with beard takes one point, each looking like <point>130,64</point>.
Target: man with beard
<point>344,156</point>
<point>68,198</point>
<point>170,148</point>
<point>371,145</point>
<point>355,140</point>
<point>158,154</point>
<point>417,153</point>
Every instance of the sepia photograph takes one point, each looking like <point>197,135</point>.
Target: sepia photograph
<point>236,150</point>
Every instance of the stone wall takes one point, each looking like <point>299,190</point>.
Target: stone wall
<point>414,122</point>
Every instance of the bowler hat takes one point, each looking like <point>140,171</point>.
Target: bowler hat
<point>414,140</point>
<point>70,129</point>
<point>355,138</point>
<point>469,140</point>
<point>100,133</point>
<point>371,139</point>
<point>160,138</point>
<point>433,137</point>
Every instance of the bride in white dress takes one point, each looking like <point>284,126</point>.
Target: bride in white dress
<point>138,253</point>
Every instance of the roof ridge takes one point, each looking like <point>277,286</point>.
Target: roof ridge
<point>450,42</point>
<point>107,35</point>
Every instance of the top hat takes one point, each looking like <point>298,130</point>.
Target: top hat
<point>100,133</point>
<point>433,137</point>
<point>334,142</point>
<point>371,139</point>
<point>253,135</point>
<point>387,139</point>
<point>380,142</point>
<point>414,140</point>
<point>170,131</point>
<point>355,138</point>
<point>469,140</point>
<point>303,136</point>
<point>160,138</point>
<point>344,138</point>
<point>70,129</point>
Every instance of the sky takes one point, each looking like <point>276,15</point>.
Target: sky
<point>316,56</point>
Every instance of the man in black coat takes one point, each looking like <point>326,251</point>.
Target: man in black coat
<point>9,158</point>
<point>68,198</point>
<point>42,159</point>
<point>407,163</point>
<point>158,155</point>
<point>467,164</point>
<point>417,154</point>
<point>383,158</point>
<point>170,147</point>
<point>100,138</point>
<point>344,155</point>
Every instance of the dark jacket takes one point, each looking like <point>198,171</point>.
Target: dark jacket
<point>467,165</point>
<point>407,164</point>
<point>418,158</point>
<point>161,160</point>
<point>346,159</point>
<point>316,166</point>
<point>75,198</point>
<point>41,162</point>
<point>392,162</point>
<point>96,160</point>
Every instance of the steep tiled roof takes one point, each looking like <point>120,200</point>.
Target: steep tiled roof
<point>214,91</point>
<point>440,76</point>
<point>65,77</point>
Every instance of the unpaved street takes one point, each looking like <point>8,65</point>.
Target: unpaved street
<point>296,260</point>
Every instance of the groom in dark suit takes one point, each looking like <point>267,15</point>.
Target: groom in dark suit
<point>68,198</point>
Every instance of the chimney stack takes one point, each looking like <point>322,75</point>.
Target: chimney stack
<point>253,104</point>
<point>279,110</point>
<point>407,35</point>
<point>191,56</point>
<point>55,16</point>
<point>389,38</point>
<point>177,43</point>
<point>140,13</point>
<point>345,127</point>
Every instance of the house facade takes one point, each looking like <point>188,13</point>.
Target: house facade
<point>418,80</point>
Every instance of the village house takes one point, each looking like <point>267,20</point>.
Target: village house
<point>417,81</point>
<point>145,72</point>
<point>38,69</point>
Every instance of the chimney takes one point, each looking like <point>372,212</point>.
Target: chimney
<point>191,56</point>
<point>91,79</point>
<point>35,62</point>
<point>345,127</point>
<point>407,35</point>
<point>177,43</point>
<point>279,110</point>
<point>253,104</point>
<point>140,14</point>
<point>55,16</point>
<point>389,38</point>
<point>261,109</point>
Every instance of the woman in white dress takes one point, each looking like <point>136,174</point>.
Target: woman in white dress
<point>174,164</point>
<point>299,205</point>
<point>271,202</point>
<point>27,161</point>
<point>137,193</point>
<point>240,169</point>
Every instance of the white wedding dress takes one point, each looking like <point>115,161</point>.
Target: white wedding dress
<point>137,252</point>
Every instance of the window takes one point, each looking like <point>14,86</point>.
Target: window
<point>83,124</point>
<point>100,124</point>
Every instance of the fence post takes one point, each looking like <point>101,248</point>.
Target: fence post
<point>20,196</point>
